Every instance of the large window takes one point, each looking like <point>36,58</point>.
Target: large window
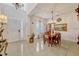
<point>39,27</point>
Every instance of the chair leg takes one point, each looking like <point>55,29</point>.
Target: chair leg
<point>44,40</point>
<point>0,54</point>
<point>59,43</point>
<point>1,49</point>
<point>5,48</point>
<point>52,42</point>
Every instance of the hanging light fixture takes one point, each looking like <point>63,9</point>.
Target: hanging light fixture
<point>3,18</point>
<point>18,5</point>
<point>51,20</point>
<point>52,14</point>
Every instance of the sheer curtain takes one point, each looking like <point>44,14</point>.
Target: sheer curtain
<point>39,27</point>
<point>39,31</point>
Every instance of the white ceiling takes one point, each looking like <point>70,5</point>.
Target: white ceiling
<point>27,6</point>
<point>44,9</point>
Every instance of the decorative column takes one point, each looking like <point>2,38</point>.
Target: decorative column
<point>21,37</point>
<point>21,30</point>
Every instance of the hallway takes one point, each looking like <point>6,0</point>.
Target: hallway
<point>56,23</point>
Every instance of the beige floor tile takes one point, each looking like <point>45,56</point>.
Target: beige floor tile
<point>67,48</point>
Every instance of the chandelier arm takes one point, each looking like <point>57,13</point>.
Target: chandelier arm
<point>18,5</point>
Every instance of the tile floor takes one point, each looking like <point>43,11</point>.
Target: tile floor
<point>24,48</point>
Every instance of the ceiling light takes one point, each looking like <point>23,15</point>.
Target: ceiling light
<point>18,5</point>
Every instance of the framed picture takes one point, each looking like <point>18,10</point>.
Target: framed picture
<point>60,27</point>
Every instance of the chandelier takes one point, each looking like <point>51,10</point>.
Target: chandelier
<point>51,20</point>
<point>18,5</point>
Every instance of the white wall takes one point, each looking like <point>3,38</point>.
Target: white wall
<point>15,18</point>
<point>14,22</point>
<point>27,27</point>
<point>29,7</point>
<point>72,26</point>
<point>72,23</point>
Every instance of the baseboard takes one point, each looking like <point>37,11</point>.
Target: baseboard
<point>15,41</point>
<point>68,40</point>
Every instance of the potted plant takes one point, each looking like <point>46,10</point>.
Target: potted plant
<point>31,39</point>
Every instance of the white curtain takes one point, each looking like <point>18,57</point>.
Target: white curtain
<point>39,27</point>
